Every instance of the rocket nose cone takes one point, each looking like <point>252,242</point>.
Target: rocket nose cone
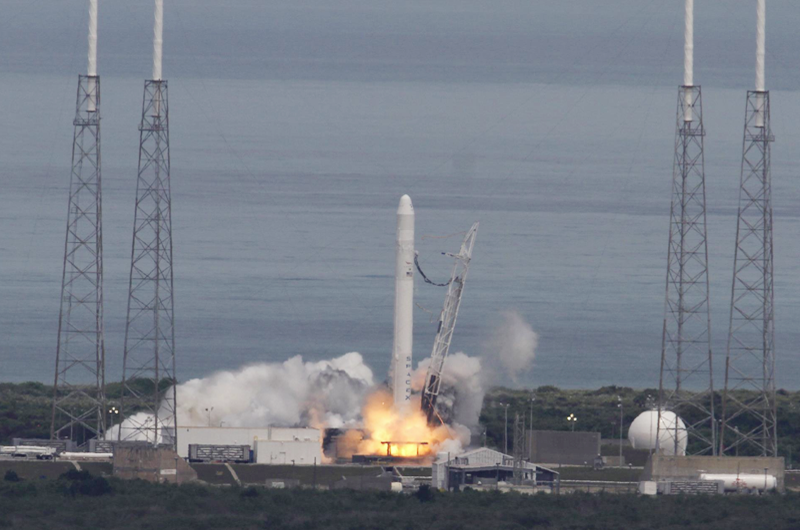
<point>405,206</point>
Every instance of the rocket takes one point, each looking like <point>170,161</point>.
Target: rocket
<point>403,305</point>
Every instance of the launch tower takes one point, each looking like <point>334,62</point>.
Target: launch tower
<point>686,383</point>
<point>749,419</point>
<point>447,324</point>
<point>79,389</point>
<point>149,356</point>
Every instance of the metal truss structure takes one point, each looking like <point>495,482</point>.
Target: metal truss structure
<point>686,383</point>
<point>447,324</point>
<point>149,356</point>
<point>519,449</point>
<point>79,390</point>
<point>749,418</point>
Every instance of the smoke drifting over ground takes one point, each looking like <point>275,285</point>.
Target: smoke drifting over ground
<point>293,393</point>
<point>341,393</point>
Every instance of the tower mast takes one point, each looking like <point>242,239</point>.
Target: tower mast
<point>79,389</point>
<point>148,382</point>
<point>750,360</point>
<point>686,383</point>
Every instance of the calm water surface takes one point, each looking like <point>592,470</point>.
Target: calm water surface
<point>297,126</point>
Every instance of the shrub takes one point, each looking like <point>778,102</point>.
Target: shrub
<point>249,493</point>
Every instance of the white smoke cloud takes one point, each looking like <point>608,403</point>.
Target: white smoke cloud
<point>512,347</point>
<point>462,388</point>
<point>509,353</point>
<point>293,393</point>
<point>332,393</point>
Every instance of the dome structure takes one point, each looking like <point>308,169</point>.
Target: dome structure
<point>642,432</point>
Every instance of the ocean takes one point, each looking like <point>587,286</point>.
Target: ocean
<point>297,125</point>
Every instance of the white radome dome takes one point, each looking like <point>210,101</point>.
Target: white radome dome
<point>642,432</point>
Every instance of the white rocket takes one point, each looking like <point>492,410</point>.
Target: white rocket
<point>403,305</point>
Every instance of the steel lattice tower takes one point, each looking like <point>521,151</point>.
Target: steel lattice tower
<point>750,417</point>
<point>686,383</point>
<point>79,389</point>
<point>750,363</point>
<point>519,449</point>
<point>149,356</point>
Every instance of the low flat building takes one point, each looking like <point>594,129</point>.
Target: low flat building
<point>483,466</point>
<point>271,445</point>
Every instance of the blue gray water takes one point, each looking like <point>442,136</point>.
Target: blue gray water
<point>297,125</point>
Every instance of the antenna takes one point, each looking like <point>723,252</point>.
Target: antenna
<point>158,40</point>
<point>92,69</point>
<point>686,383</point>
<point>688,59</point>
<point>761,40</point>
<point>148,380</point>
<point>79,389</point>
<point>92,37</point>
<point>761,44</point>
<point>750,360</point>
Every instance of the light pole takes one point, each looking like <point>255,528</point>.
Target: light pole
<point>114,412</point>
<point>505,438</point>
<point>209,410</point>
<point>619,399</point>
<point>572,419</point>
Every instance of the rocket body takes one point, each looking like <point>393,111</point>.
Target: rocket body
<point>403,305</point>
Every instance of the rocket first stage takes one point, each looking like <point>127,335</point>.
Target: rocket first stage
<point>403,305</point>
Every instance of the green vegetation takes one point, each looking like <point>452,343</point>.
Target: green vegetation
<point>597,410</point>
<point>78,500</point>
<point>25,411</point>
<point>26,408</point>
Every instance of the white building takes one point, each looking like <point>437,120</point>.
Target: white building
<point>295,452</point>
<point>270,445</point>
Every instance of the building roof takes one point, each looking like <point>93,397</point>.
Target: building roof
<point>483,457</point>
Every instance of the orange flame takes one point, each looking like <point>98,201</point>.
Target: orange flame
<point>400,433</point>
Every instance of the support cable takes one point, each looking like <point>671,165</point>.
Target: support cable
<point>427,280</point>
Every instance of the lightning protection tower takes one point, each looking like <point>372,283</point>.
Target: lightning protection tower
<point>519,449</point>
<point>447,325</point>
<point>749,418</point>
<point>79,389</point>
<point>686,383</point>
<point>149,356</point>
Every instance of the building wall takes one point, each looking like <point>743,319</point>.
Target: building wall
<point>299,453</point>
<point>239,436</point>
<point>564,447</point>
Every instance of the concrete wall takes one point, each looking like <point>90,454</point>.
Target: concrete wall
<point>300,453</point>
<point>151,464</point>
<point>564,447</point>
<point>662,467</point>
